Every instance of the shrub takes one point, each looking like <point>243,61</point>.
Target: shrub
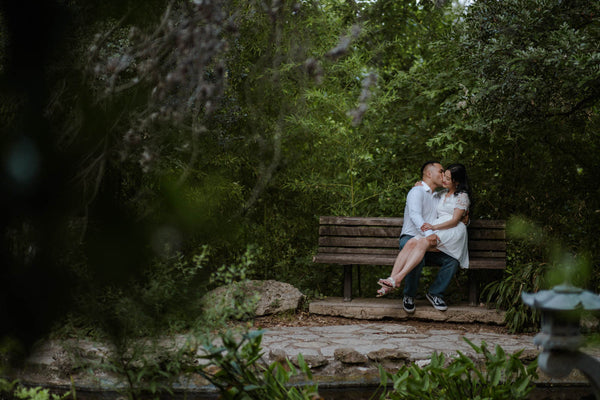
<point>502,376</point>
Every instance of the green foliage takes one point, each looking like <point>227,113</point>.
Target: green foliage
<point>164,299</point>
<point>142,324</point>
<point>147,368</point>
<point>563,266</point>
<point>555,266</point>
<point>241,373</point>
<point>506,294</point>
<point>502,376</point>
<point>149,364</point>
<point>15,390</point>
<point>136,321</point>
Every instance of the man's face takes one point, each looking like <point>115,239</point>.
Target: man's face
<point>437,174</point>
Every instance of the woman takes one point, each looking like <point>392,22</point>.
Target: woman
<point>450,235</point>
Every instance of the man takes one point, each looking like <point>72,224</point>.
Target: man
<point>419,212</point>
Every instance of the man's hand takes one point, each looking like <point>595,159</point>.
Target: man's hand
<point>426,227</point>
<point>465,219</point>
<point>433,240</point>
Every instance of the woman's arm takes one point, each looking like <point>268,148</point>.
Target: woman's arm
<point>456,217</point>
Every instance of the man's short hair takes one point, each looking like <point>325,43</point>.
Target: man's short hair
<point>426,165</point>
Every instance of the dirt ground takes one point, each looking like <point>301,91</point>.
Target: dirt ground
<point>303,318</point>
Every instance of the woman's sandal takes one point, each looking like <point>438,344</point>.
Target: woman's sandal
<point>383,290</point>
<point>387,282</point>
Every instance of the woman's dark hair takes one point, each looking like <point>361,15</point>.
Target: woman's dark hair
<point>458,172</point>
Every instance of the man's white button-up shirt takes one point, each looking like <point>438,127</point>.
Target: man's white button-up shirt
<point>421,204</point>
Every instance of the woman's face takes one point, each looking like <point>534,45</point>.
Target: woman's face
<point>447,183</point>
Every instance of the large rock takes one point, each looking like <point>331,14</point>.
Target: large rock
<point>388,354</point>
<point>274,297</point>
<point>349,356</point>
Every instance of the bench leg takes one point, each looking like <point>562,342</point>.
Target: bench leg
<point>358,280</point>
<point>347,282</point>
<point>473,289</point>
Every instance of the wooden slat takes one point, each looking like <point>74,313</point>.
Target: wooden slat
<point>343,241</point>
<point>488,223</point>
<point>394,252</point>
<point>379,229</point>
<point>357,221</point>
<point>397,221</point>
<point>361,259</point>
<point>369,259</point>
<point>487,263</point>
<point>330,230</point>
<point>337,241</point>
<point>360,250</point>
<point>487,254</point>
<point>494,245</point>
<point>486,234</point>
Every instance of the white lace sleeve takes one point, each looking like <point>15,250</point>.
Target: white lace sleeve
<point>462,201</point>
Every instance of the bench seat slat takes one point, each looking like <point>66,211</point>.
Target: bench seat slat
<point>392,243</point>
<point>394,252</point>
<point>398,221</point>
<point>360,250</point>
<point>488,224</point>
<point>362,259</point>
<point>480,234</point>
<point>358,221</point>
<point>381,231</point>
<point>343,241</point>
<point>394,232</point>
<point>487,245</point>
<point>370,259</point>
<point>486,254</point>
<point>487,263</point>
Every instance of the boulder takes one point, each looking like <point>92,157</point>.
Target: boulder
<point>388,355</point>
<point>274,297</point>
<point>278,355</point>
<point>312,362</point>
<point>349,356</point>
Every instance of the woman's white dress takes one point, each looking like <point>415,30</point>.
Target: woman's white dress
<point>453,241</point>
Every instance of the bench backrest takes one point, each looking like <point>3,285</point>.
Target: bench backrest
<point>374,241</point>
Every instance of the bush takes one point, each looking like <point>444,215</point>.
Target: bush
<point>241,374</point>
<point>501,377</point>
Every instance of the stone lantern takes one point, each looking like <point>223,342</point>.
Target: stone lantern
<point>560,337</point>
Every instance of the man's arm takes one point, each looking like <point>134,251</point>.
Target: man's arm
<point>415,201</point>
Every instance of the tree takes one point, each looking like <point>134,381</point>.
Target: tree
<point>513,92</point>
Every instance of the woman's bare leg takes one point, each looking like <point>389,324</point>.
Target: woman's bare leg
<point>399,263</point>
<point>413,258</point>
<point>403,256</point>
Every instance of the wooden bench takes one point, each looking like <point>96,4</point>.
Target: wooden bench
<point>352,241</point>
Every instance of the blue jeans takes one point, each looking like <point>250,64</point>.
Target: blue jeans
<point>448,265</point>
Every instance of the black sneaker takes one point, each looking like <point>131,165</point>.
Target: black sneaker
<point>409,304</point>
<point>437,302</point>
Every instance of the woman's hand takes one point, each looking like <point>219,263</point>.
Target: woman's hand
<point>419,183</point>
<point>426,226</point>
